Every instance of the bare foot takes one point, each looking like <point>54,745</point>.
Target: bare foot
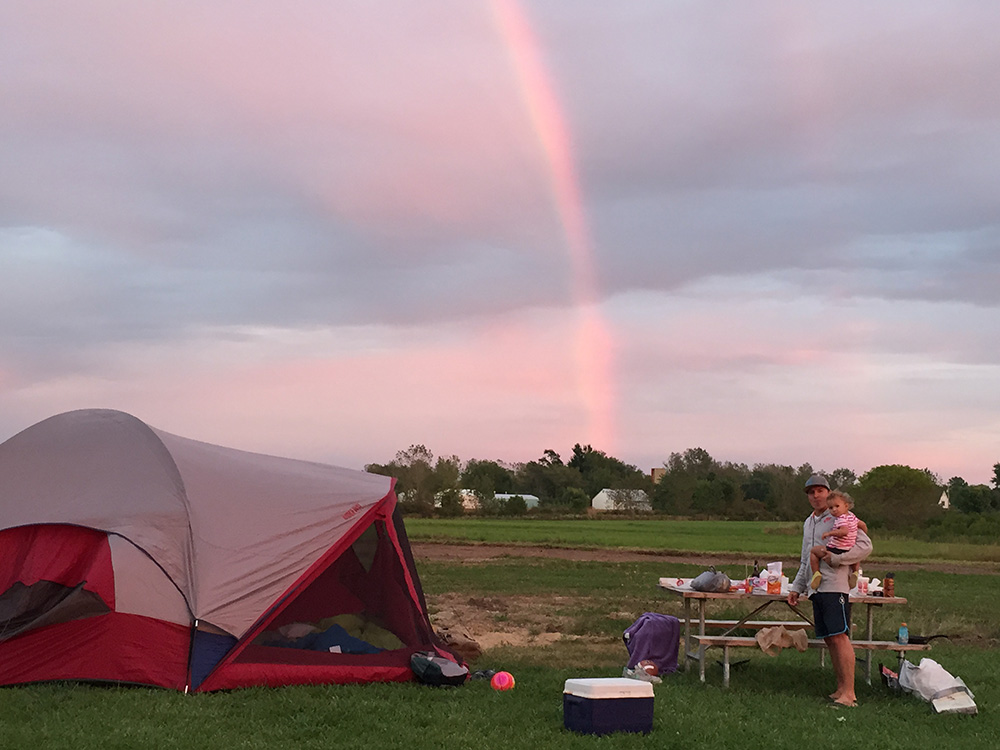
<point>844,704</point>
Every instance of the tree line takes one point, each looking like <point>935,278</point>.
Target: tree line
<point>690,484</point>
<point>428,485</point>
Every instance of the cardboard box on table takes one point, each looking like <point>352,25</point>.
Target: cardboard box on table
<point>601,705</point>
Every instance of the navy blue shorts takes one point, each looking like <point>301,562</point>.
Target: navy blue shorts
<point>831,613</point>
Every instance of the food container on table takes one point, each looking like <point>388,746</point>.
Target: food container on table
<point>889,584</point>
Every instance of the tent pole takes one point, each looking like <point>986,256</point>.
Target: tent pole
<point>187,681</point>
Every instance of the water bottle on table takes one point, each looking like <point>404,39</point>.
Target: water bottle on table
<point>903,637</point>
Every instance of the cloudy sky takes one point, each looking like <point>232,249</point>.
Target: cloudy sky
<point>332,230</point>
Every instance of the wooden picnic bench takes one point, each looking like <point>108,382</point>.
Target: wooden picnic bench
<point>681,587</point>
<point>757,624</point>
<point>727,642</point>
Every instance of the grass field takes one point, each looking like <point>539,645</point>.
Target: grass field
<point>773,703</point>
<point>962,606</point>
<point>751,538</point>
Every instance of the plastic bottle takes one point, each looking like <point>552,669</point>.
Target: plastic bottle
<point>903,637</point>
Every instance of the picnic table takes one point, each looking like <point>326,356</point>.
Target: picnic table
<point>682,587</point>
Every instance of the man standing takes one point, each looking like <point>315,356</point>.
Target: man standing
<point>831,607</point>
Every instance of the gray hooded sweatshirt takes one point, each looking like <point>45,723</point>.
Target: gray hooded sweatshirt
<point>836,571</point>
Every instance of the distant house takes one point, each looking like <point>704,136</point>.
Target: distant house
<point>608,499</point>
<point>470,500</point>
<point>944,502</point>
<point>530,500</point>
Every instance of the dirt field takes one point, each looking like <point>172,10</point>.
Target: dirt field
<point>483,552</point>
<point>530,621</point>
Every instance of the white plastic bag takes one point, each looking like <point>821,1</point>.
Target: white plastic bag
<point>933,683</point>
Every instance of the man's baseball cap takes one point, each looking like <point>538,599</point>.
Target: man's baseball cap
<point>817,480</point>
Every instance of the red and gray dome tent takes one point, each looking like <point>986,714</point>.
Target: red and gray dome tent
<point>132,555</point>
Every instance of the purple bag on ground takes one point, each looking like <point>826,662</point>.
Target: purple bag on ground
<point>656,638</point>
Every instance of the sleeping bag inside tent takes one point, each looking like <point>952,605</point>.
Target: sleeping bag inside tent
<point>129,554</point>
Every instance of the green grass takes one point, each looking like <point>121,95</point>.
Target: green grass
<point>752,538</point>
<point>773,703</point>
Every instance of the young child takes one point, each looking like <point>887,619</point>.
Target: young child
<point>842,536</point>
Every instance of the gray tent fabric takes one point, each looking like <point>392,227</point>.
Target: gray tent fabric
<point>187,505</point>
<point>146,590</point>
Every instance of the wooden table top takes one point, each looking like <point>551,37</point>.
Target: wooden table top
<point>684,589</point>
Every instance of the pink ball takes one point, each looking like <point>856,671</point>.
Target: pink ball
<point>502,681</point>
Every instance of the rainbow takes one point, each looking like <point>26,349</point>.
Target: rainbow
<point>593,343</point>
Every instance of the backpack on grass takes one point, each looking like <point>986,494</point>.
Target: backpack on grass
<point>431,669</point>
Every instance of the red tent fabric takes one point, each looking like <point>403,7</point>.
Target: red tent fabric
<point>133,555</point>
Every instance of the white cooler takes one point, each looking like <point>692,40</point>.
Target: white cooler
<point>601,705</point>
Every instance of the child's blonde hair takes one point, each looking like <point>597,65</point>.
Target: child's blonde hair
<point>843,496</point>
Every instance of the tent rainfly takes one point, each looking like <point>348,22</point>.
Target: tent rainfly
<point>131,555</point>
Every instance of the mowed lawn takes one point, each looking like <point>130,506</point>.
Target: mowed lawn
<point>774,702</point>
